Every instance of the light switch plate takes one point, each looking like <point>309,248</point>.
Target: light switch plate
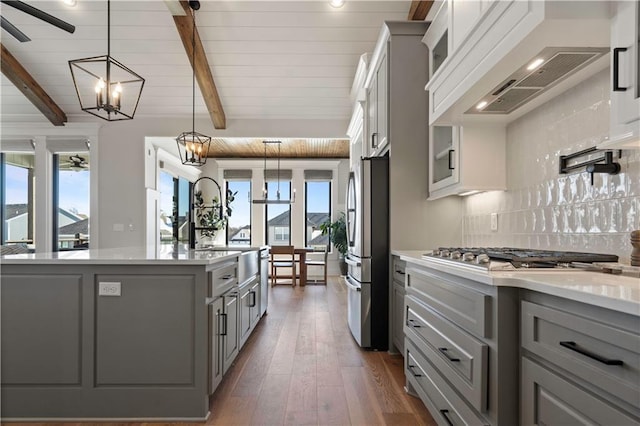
<point>108,289</point>
<point>494,221</point>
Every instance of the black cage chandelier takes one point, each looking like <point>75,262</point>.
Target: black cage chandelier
<point>106,88</point>
<point>265,196</point>
<point>193,146</point>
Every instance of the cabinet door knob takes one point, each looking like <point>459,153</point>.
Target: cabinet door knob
<point>616,69</point>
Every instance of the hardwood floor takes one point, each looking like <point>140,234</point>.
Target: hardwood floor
<point>302,367</point>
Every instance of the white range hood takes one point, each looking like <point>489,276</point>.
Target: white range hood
<point>506,39</point>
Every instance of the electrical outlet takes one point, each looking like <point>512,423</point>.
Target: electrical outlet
<point>494,222</point>
<point>108,289</point>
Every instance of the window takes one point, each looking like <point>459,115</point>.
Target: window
<point>71,201</point>
<point>278,215</point>
<point>17,194</point>
<point>317,211</point>
<point>239,224</point>
<point>174,208</point>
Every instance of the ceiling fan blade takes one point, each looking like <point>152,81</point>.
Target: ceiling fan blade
<point>37,13</point>
<point>11,29</point>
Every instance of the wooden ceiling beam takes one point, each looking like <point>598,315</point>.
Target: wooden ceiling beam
<point>419,10</point>
<point>208,89</point>
<point>30,88</point>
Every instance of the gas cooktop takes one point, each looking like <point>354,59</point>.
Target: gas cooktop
<point>515,258</point>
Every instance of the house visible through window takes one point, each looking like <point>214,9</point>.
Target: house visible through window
<point>317,206</point>
<point>278,215</point>
<point>17,195</point>
<point>71,201</point>
<point>239,224</point>
<point>174,208</point>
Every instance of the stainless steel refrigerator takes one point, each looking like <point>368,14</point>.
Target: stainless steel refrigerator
<point>368,256</point>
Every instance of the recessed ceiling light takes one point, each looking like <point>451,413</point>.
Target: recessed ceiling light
<point>481,105</point>
<point>336,3</point>
<point>535,64</point>
<point>70,3</point>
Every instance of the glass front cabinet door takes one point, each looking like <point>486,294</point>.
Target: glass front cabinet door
<point>444,142</point>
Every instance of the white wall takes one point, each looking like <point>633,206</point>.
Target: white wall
<point>121,155</point>
<point>544,209</point>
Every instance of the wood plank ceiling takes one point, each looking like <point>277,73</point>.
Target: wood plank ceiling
<point>271,60</point>
<point>289,148</point>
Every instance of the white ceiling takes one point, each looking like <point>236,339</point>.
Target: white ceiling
<point>270,60</point>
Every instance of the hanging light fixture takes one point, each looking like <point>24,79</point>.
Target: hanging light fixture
<point>105,87</point>
<point>193,146</point>
<point>265,199</point>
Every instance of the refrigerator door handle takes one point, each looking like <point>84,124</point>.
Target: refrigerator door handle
<point>352,286</point>
<point>352,262</point>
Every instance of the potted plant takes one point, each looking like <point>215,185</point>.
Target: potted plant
<point>337,231</point>
<point>208,215</point>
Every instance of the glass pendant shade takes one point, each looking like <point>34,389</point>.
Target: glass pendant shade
<point>193,148</point>
<point>105,87</point>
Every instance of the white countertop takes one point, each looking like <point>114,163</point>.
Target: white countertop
<point>619,293</point>
<point>165,255</point>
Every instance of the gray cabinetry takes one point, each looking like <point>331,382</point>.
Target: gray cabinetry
<point>230,330</point>
<point>216,309</point>
<point>549,399</point>
<point>397,302</point>
<point>459,336</point>
<point>580,363</point>
<point>249,308</point>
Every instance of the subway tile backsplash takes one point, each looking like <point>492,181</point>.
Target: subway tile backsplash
<point>546,210</point>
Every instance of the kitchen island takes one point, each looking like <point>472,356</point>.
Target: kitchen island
<point>112,334</point>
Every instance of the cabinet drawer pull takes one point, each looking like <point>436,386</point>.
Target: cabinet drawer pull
<point>445,414</point>
<point>574,347</point>
<point>224,333</point>
<point>451,166</point>
<point>401,273</point>
<point>616,70</point>
<point>374,137</point>
<point>445,352</point>
<point>413,323</point>
<point>253,299</point>
<point>226,277</point>
<point>412,371</point>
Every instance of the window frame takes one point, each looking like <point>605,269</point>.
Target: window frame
<point>226,186</point>
<point>306,211</point>
<point>266,213</point>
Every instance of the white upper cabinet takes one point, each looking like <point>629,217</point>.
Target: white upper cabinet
<point>466,160</point>
<point>437,38</point>
<point>377,107</point>
<point>492,43</point>
<point>625,77</point>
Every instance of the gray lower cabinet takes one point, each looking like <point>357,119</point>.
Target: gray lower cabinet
<point>461,352</point>
<point>216,370</point>
<point>580,365</point>
<point>549,399</point>
<point>230,329</point>
<point>398,267</point>
<point>249,309</point>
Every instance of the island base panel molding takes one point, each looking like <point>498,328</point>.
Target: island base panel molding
<point>69,352</point>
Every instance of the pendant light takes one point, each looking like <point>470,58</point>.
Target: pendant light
<point>193,146</point>
<point>105,87</point>
<point>277,200</point>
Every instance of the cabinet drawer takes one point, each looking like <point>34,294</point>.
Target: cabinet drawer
<point>585,347</point>
<point>548,399</point>
<point>443,402</point>
<point>462,305</point>
<point>457,355</point>
<point>223,278</point>
<point>399,267</point>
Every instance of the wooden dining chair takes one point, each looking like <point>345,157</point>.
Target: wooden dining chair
<point>282,257</point>
<point>322,263</point>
